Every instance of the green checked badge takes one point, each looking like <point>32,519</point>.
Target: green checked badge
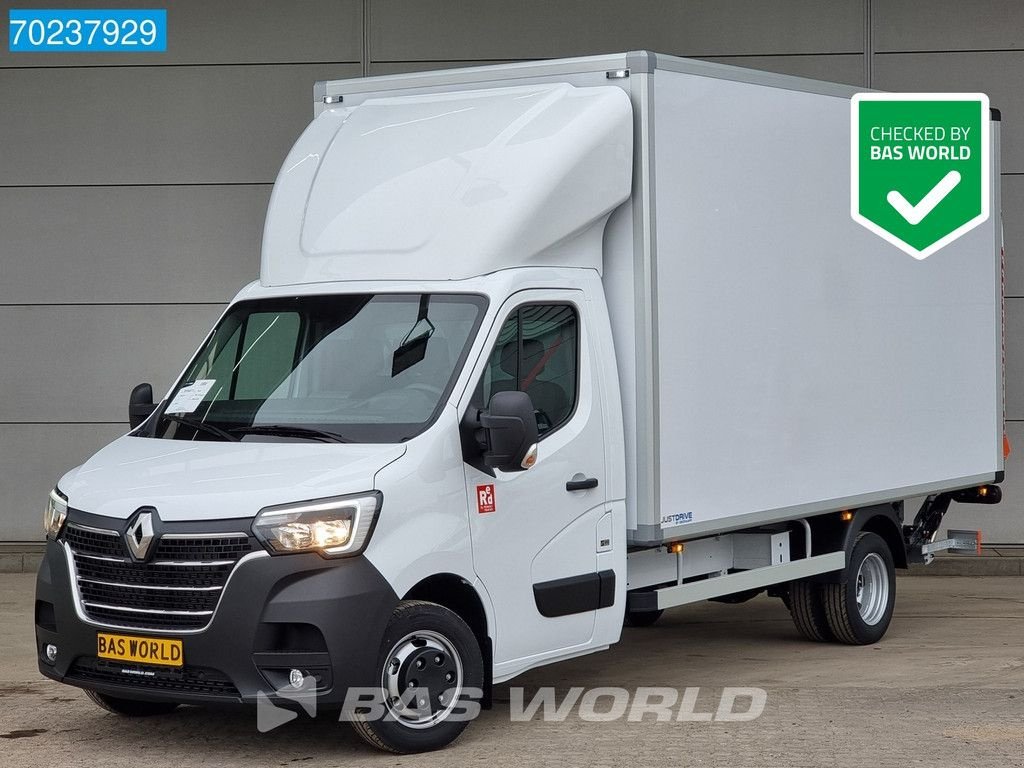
<point>919,167</point>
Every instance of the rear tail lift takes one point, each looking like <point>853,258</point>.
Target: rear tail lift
<point>920,536</point>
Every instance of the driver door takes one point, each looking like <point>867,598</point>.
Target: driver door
<point>536,534</point>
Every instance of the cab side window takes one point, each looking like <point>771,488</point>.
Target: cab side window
<point>537,352</point>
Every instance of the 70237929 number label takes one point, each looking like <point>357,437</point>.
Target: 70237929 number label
<point>87,30</point>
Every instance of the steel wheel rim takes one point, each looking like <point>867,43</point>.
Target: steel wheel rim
<point>872,589</point>
<point>400,678</point>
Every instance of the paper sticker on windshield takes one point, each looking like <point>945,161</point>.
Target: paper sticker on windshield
<point>189,397</point>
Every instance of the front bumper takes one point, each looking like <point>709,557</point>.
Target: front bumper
<point>325,617</point>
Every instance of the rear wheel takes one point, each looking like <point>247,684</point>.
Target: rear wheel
<point>807,607</point>
<point>429,658</point>
<point>860,607</point>
<point>131,707</point>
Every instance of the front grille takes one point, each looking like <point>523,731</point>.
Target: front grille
<point>179,588</point>
<point>94,542</point>
<point>146,598</point>
<point>227,548</point>
<point>198,680</point>
<point>152,575</point>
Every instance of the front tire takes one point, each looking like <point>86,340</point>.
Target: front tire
<point>131,707</point>
<point>860,607</point>
<point>429,650</point>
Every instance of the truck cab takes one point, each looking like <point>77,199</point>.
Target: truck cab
<point>412,408</point>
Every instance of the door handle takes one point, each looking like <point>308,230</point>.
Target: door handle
<point>581,485</point>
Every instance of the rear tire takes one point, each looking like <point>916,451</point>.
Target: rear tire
<point>806,605</point>
<point>131,707</point>
<point>451,663</point>
<point>860,607</point>
<point>641,618</point>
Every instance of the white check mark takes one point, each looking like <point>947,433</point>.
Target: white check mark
<point>915,213</point>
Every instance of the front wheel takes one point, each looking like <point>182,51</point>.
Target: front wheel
<point>860,607</point>
<point>431,675</point>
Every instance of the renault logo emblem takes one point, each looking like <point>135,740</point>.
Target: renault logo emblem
<point>139,535</point>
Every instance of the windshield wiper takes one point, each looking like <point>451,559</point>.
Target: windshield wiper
<point>285,430</point>
<point>202,426</point>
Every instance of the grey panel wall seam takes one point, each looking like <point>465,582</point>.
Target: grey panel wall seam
<point>701,55</point>
<point>143,184</point>
<point>115,304</point>
<point>364,58</point>
<point>460,61</point>
<point>925,51</point>
<point>802,54</point>
<point>59,423</point>
<point>869,44</point>
<point>181,66</point>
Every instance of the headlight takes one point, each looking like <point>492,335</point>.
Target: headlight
<point>56,511</point>
<point>336,527</point>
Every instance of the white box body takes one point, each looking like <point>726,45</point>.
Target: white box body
<point>776,358</point>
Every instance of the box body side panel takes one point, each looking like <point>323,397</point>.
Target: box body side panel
<point>800,359</point>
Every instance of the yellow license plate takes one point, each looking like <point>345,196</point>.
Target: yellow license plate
<point>142,650</point>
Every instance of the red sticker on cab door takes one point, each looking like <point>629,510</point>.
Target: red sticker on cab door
<point>485,498</point>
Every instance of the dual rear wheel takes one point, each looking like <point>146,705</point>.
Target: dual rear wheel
<point>856,610</point>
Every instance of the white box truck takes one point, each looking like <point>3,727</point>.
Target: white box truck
<point>535,349</point>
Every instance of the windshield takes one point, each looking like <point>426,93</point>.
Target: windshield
<point>366,368</point>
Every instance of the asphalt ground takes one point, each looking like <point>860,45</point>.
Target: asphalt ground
<point>944,688</point>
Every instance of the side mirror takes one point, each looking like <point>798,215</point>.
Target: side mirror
<point>140,405</point>
<point>509,427</point>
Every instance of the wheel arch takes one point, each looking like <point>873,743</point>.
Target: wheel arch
<point>459,596</point>
<point>831,532</point>
<point>891,533</point>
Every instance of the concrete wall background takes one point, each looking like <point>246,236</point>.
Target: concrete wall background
<point>133,186</point>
